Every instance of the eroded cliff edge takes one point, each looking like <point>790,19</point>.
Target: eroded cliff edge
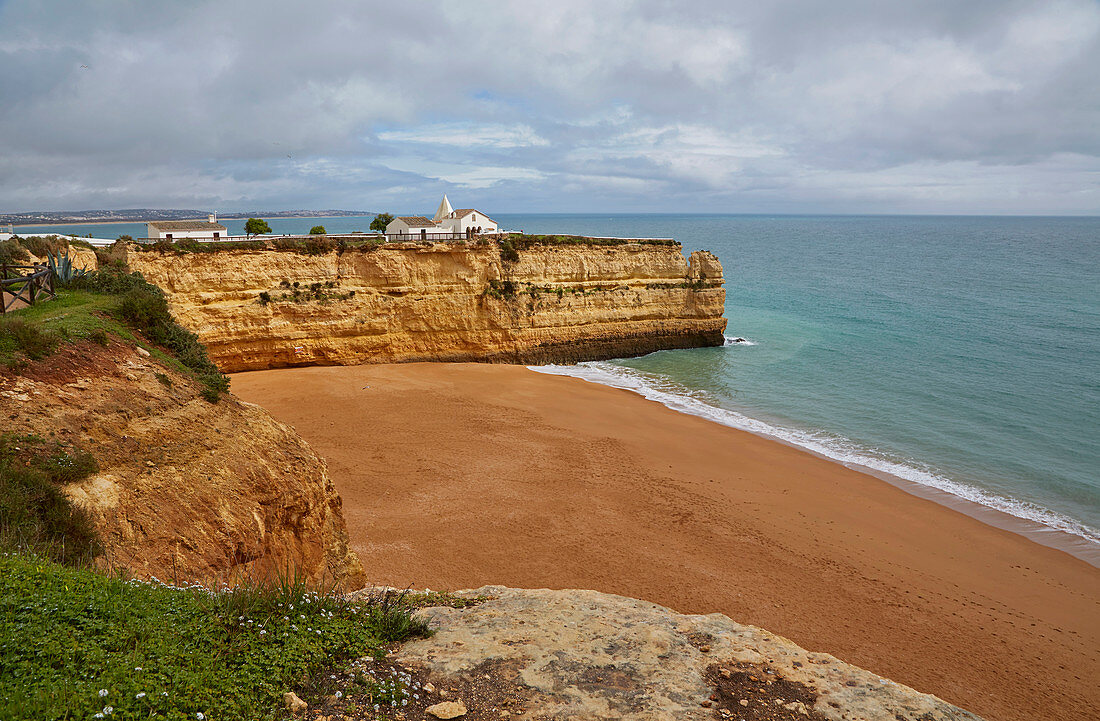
<point>256,309</point>
<point>186,490</point>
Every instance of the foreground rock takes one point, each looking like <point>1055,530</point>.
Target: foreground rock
<point>187,490</point>
<point>446,710</point>
<point>440,302</point>
<point>588,655</point>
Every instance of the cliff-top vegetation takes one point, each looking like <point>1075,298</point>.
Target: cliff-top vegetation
<point>18,250</point>
<point>314,244</point>
<point>76,643</point>
<point>320,244</point>
<point>525,240</point>
<point>101,304</point>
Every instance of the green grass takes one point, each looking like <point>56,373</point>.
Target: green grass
<point>75,643</point>
<point>34,513</point>
<point>74,315</point>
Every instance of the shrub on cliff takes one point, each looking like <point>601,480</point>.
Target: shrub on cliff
<point>34,513</point>
<point>508,251</point>
<point>18,338</point>
<point>43,245</point>
<point>313,245</point>
<point>143,306</point>
<point>317,230</point>
<point>12,252</point>
<point>523,240</point>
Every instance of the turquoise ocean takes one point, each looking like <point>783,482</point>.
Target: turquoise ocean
<point>955,354</point>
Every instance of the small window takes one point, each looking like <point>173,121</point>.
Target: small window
<point>217,235</point>
<point>167,236</point>
<point>473,217</point>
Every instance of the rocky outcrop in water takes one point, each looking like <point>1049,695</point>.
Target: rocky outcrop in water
<point>256,309</point>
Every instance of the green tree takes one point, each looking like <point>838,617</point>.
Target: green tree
<point>256,226</point>
<point>380,222</point>
<point>317,230</point>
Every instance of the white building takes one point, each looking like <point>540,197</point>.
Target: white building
<point>176,229</point>
<point>464,219</point>
<point>447,223</point>
<point>410,227</point>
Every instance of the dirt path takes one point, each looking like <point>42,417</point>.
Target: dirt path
<point>455,476</point>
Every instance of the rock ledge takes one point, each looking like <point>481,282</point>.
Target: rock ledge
<point>588,655</point>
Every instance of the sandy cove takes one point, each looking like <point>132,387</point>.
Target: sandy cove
<point>460,475</point>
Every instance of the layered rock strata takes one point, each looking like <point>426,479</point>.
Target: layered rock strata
<point>440,302</point>
<point>186,490</point>
<point>587,655</point>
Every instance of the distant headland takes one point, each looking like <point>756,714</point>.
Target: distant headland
<point>142,215</point>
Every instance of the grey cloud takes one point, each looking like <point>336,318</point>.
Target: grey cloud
<point>575,105</point>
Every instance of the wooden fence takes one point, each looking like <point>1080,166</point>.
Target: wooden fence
<point>19,289</point>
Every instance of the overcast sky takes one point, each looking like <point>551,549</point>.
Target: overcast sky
<point>846,106</point>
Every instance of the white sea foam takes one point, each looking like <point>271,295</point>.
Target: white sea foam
<point>678,398</point>
<point>737,340</point>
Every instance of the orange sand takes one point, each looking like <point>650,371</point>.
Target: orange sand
<point>458,475</point>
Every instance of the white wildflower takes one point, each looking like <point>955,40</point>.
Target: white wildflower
<point>140,695</point>
<point>339,694</point>
<point>102,692</point>
<point>199,715</point>
<point>108,710</point>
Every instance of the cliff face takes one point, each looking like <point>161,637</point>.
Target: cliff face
<point>186,489</point>
<point>443,302</point>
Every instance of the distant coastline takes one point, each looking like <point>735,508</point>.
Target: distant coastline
<point>220,217</point>
<point>36,219</point>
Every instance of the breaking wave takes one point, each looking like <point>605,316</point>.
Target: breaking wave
<point>698,403</point>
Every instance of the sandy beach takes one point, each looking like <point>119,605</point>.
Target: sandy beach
<point>457,475</point>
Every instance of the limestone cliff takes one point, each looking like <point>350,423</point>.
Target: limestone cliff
<point>256,309</point>
<point>186,489</point>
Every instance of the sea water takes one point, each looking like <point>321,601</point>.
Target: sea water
<point>956,353</point>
